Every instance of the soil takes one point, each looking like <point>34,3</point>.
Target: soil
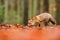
<point>20,32</point>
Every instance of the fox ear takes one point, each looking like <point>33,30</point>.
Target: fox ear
<point>35,18</point>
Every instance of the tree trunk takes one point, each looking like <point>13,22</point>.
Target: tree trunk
<point>58,11</point>
<point>25,12</point>
<point>12,12</point>
<point>18,11</point>
<point>52,7</point>
<point>0,2</point>
<point>46,5</point>
<point>6,12</point>
<point>21,11</point>
<point>30,9</point>
<point>41,6</point>
<point>34,8</point>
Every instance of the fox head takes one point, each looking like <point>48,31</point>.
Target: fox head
<point>33,21</point>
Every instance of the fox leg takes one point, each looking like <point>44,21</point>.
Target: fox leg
<point>46,23</point>
<point>53,21</point>
<point>39,25</point>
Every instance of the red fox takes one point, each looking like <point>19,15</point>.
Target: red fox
<point>43,17</point>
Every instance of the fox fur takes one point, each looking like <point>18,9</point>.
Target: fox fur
<point>43,17</point>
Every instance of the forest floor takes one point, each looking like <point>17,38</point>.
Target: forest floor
<point>19,32</point>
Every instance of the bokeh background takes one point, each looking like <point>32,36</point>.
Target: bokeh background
<point>19,11</point>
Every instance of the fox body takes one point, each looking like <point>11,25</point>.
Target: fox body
<point>43,17</point>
